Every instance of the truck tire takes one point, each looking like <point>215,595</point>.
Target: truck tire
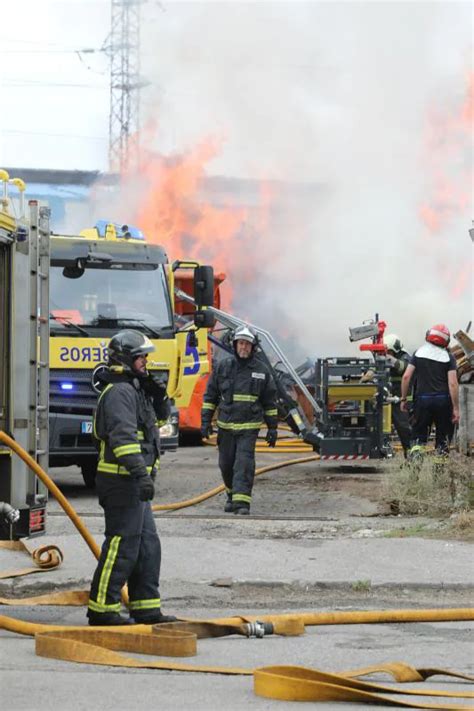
<point>89,471</point>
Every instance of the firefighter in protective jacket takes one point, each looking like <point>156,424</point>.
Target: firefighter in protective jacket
<point>436,393</point>
<point>130,409</point>
<point>398,360</point>
<point>242,389</point>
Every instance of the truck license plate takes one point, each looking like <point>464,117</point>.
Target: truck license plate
<point>86,427</point>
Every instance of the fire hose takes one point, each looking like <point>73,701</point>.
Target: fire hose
<point>100,645</point>
<point>288,445</point>
<point>54,490</point>
<point>286,682</point>
<point>218,489</point>
<point>8,513</point>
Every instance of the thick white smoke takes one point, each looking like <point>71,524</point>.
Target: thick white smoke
<point>338,96</point>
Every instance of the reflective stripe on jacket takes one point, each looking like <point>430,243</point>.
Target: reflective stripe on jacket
<point>125,427</point>
<point>396,372</point>
<point>243,391</point>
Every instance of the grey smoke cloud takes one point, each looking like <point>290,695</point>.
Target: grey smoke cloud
<point>336,95</point>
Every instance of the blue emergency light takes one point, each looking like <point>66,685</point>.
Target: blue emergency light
<point>67,386</point>
<point>122,231</point>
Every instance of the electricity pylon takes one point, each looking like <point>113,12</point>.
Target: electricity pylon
<point>123,49</point>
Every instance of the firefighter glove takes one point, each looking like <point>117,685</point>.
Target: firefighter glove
<point>146,489</point>
<point>271,437</point>
<point>154,385</point>
<point>206,430</point>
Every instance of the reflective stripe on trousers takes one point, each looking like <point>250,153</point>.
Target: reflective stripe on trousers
<point>237,462</point>
<point>131,553</point>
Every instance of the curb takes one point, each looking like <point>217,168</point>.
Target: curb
<point>247,588</point>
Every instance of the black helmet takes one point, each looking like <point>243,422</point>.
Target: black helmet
<point>125,346</point>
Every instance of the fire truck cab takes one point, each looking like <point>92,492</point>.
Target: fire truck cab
<point>103,280</point>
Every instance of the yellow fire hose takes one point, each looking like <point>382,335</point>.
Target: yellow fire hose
<point>100,645</point>
<point>218,489</point>
<point>54,490</point>
<point>289,445</point>
<point>46,558</point>
<point>58,495</point>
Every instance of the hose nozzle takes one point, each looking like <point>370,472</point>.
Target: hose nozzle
<point>8,513</point>
<point>259,629</point>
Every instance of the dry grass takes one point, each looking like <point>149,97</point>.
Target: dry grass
<point>461,525</point>
<point>430,489</point>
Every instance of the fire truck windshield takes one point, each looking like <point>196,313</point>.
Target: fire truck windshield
<point>110,298</point>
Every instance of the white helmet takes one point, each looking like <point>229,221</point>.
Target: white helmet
<point>244,333</point>
<point>393,342</point>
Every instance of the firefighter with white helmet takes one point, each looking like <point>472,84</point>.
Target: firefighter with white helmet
<point>437,390</point>
<point>242,390</point>
<point>130,409</point>
<point>398,360</point>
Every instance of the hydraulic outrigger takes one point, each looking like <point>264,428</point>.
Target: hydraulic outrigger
<point>347,417</point>
<point>286,378</point>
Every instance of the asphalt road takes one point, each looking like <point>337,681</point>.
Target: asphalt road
<point>35,684</point>
<point>311,544</point>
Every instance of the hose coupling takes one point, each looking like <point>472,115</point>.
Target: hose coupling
<point>8,513</point>
<point>259,629</point>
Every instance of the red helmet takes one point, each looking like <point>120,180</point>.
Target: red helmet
<point>439,335</point>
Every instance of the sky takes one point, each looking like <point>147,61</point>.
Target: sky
<point>368,100</point>
<point>57,99</point>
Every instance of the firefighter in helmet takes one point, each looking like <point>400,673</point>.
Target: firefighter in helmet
<point>437,391</point>
<point>131,406</point>
<point>242,390</point>
<point>398,360</point>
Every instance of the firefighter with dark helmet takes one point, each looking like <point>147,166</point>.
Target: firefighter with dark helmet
<point>398,360</point>
<point>436,393</point>
<point>131,406</point>
<point>242,390</point>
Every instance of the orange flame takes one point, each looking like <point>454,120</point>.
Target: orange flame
<point>172,204</point>
<point>448,148</point>
<point>241,227</point>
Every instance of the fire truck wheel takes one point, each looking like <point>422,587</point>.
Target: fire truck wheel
<point>89,471</point>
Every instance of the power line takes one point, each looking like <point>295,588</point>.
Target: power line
<point>16,83</point>
<point>53,135</point>
<point>85,50</point>
<point>14,40</point>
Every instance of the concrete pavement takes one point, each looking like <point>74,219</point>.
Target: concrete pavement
<point>216,566</point>
<point>231,552</point>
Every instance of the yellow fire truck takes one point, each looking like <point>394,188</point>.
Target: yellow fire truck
<point>62,297</point>
<point>103,280</point>
<point>24,381</point>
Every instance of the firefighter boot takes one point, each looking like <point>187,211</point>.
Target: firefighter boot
<point>107,619</point>
<point>241,509</point>
<point>440,461</point>
<point>229,506</point>
<point>416,457</point>
<point>154,617</point>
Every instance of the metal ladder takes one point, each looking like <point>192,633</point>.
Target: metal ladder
<point>272,352</point>
<point>38,425</point>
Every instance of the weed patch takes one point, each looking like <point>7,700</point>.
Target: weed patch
<point>361,585</point>
<point>430,488</point>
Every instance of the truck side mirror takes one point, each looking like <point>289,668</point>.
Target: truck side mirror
<point>73,272</point>
<point>204,286</point>
<point>204,319</point>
